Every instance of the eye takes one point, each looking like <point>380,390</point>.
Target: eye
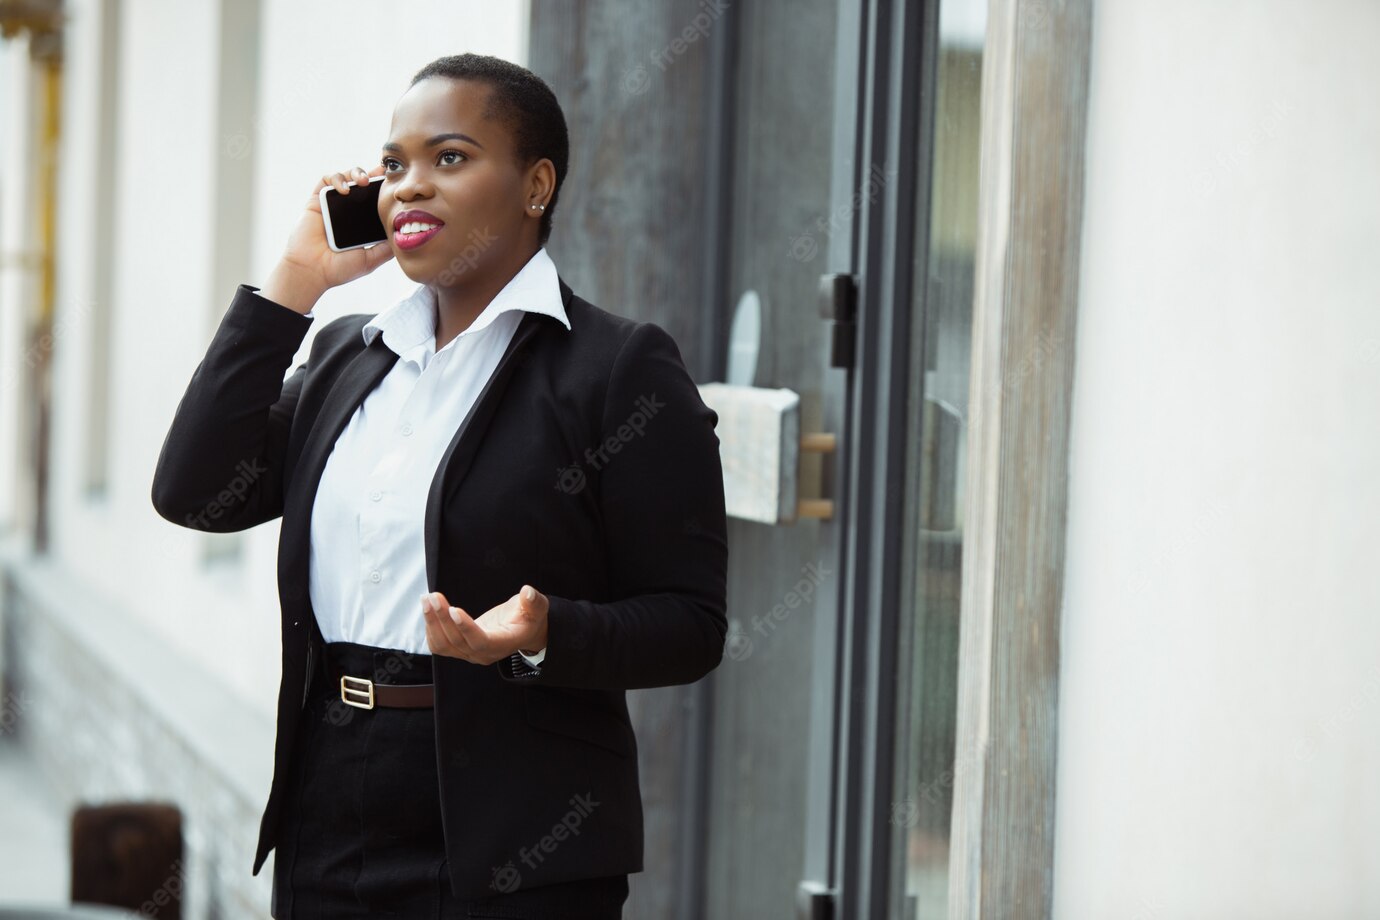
<point>451,153</point>
<point>385,163</point>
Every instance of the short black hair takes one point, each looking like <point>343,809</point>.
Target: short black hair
<point>525,103</point>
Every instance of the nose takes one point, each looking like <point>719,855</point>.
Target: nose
<point>411,187</point>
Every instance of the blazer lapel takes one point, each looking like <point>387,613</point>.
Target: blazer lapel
<point>460,453</point>
<point>455,462</point>
<point>355,382</point>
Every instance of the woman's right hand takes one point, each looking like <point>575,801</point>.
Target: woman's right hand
<point>308,266</point>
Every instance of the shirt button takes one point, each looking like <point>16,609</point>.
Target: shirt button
<point>376,495</point>
<point>375,577</point>
<point>406,430</point>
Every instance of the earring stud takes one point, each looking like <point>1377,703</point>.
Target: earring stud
<point>541,206</point>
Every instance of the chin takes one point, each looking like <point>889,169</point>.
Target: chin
<point>435,272</point>
<point>418,277</point>
<point>418,266</point>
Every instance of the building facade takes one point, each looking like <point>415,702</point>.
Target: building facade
<point>1073,617</point>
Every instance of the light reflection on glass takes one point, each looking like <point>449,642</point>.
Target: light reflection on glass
<point>927,762</point>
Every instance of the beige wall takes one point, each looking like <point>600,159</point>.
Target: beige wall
<point>1219,737</point>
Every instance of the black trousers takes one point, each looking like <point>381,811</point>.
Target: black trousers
<point>361,833</point>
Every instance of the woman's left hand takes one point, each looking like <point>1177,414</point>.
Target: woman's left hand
<point>517,624</point>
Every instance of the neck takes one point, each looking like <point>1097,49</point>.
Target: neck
<point>459,304</point>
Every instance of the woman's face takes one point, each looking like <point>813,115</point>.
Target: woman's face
<point>453,199</point>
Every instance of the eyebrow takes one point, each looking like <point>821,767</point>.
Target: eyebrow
<point>440,138</point>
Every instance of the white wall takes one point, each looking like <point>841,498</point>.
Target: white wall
<point>321,111</point>
<point>1219,737</point>
<point>330,73</point>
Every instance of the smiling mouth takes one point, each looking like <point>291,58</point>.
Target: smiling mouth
<point>414,233</point>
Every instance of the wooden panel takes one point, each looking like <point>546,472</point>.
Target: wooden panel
<point>1034,103</point>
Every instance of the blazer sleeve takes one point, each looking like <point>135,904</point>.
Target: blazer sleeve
<point>221,465</point>
<point>661,494</point>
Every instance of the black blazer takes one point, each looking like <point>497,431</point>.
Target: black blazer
<point>588,467</point>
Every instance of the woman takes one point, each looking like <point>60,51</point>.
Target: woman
<point>502,507</point>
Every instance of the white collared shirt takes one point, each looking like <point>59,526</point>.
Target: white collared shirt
<point>368,561</point>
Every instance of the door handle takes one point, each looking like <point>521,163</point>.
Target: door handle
<point>818,442</point>
<point>838,301</point>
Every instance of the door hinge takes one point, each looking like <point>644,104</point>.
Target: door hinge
<point>838,302</point>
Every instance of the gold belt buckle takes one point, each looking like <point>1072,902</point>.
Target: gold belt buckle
<point>364,690</point>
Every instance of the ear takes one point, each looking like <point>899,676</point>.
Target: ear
<point>541,183</point>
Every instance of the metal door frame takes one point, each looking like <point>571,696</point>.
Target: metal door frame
<point>877,83</point>
<point>899,43</point>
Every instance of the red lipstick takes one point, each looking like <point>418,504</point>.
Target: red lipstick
<point>421,225</point>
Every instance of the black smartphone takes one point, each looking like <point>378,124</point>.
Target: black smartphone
<point>352,220</point>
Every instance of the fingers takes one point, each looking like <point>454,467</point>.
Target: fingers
<point>470,632</point>
<point>533,599</point>
<point>442,632</point>
<point>451,631</point>
<point>340,180</point>
<point>329,179</point>
<point>376,255</point>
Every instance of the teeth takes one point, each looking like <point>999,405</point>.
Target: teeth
<point>417,227</point>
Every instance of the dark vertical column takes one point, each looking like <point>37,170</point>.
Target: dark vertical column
<point>636,85</point>
<point>637,232</point>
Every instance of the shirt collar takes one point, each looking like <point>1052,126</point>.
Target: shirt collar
<point>411,322</point>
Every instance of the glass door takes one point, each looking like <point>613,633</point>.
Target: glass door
<point>831,751</point>
<point>789,221</point>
